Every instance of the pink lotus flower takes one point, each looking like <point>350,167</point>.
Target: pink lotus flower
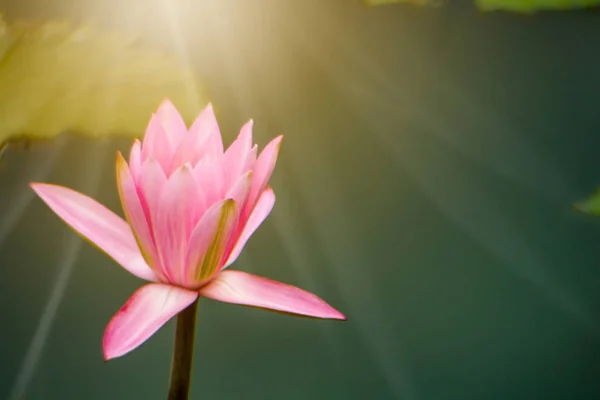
<point>190,209</point>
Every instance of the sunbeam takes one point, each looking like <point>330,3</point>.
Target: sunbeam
<point>382,342</point>
<point>521,261</point>
<point>20,198</point>
<point>230,66</point>
<point>286,226</point>
<point>91,179</point>
<point>515,159</point>
<point>36,347</point>
<point>355,285</point>
<point>181,49</point>
<point>282,218</point>
<point>470,208</point>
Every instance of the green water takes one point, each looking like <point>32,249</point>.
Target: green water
<point>424,188</point>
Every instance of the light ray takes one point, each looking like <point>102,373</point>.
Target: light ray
<point>91,177</point>
<point>286,226</point>
<point>36,347</point>
<point>364,311</point>
<point>235,76</point>
<point>473,211</point>
<point>20,200</point>
<point>522,262</point>
<point>515,160</point>
<point>174,23</point>
<point>357,287</point>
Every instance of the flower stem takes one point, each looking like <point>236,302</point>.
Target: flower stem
<point>183,354</point>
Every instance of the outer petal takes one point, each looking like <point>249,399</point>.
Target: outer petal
<point>239,191</point>
<point>172,122</point>
<point>260,212</point>
<point>137,218</point>
<point>98,224</point>
<point>157,145</point>
<point>177,215</point>
<point>250,290</point>
<point>203,237</point>
<point>135,159</point>
<point>215,254</point>
<point>263,168</point>
<point>145,312</point>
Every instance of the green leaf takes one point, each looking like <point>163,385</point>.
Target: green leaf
<point>519,6</point>
<point>415,2</point>
<point>528,6</point>
<point>55,78</point>
<point>591,205</point>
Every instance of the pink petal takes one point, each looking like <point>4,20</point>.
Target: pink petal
<point>206,127</point>
<point>150,307</point>
<point>203,237</point>
<point>215,254</point>
<point>189,151</point>
<point>177,215</point>
<point>157,145</point>
<point>250,290</point>
<point>260,212</point>
<point>172,123</point>
<point>97,224</point>
<point>151,182</point>
<point>203,140</point>
<point>238,157</point>
<point>239,191</point>
<point>209,176</point>
<point>135,159</point>
<point>250,158</point>
<point>134,212</point>
<point>263,168</point>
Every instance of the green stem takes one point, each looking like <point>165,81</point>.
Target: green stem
<point>183,354</point>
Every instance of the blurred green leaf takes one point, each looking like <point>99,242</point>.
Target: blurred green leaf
<point>55,78</point>
<point>519,6</point>
<point>416,2</point>
<point>591,205</point>
<point>528,6</point>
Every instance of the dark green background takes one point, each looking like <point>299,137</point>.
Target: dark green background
<point>430,160</point>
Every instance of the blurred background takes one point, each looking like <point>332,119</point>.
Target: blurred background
<point>425,186</point>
